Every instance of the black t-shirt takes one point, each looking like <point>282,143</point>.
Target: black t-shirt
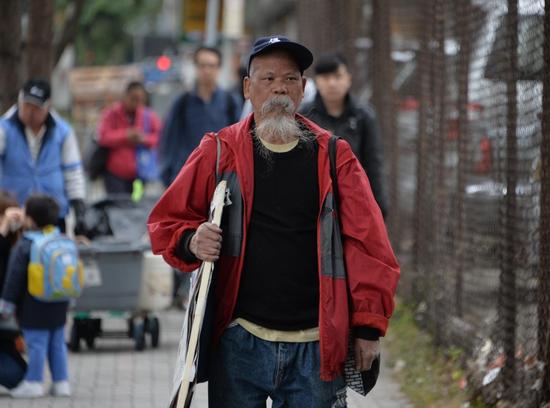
<point>279,286</point>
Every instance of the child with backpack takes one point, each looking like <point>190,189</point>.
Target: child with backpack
<point>43,274</point>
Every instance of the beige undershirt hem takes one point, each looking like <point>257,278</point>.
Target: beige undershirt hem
<point>295,336</point>
<point>279,148</point>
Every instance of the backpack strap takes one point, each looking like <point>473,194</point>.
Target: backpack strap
<point>218,156</point>
<point>230,107</point>
<point>35,236</point>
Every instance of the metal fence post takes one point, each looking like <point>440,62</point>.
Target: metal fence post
<point>438,227</point>
<point>544,277</point>
<point>418,287</point>
<point>463,17</point>
<point>384,101</point>
<point>507,301</point>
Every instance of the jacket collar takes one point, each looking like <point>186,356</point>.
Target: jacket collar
<point>49,122</point>
<point>239,139</point>
<point>349,106</point>
<point>121,112</point>
<point>242,129</point>
<point>215,95</point>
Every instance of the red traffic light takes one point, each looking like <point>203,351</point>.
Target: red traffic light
<point>164,63</point>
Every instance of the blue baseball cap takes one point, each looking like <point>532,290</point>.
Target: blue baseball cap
<point>301,54</point>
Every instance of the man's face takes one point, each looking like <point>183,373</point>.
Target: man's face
<point>134,98</point>
<point>334,86</point>
<point>273,75</point>
<point>31,115</point>
<point>207,64</point>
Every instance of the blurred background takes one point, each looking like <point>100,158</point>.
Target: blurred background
<point>462,93</point>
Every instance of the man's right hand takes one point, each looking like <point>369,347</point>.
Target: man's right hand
<point>206,242</point>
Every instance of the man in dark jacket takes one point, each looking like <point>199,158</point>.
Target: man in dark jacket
<point>334,109</point>
<point>206,108</point>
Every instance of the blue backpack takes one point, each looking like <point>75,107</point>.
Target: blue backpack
<point>55,272</point>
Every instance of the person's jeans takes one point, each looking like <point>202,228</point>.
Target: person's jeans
<point>12,370</point>
<point>117,185</point>
<point>245,370</point>
<point>50,344</point>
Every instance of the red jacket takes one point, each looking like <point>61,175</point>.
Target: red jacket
<point>113,130</point>
<point>372,268</point>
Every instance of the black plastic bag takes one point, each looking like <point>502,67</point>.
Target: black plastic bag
<point>96,160</point>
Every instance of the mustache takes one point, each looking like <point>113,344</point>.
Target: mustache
<point>277,103</point>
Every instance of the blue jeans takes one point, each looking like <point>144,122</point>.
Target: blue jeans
<point>117,185</point>
<point>246,370</point>
<point>42,343</point>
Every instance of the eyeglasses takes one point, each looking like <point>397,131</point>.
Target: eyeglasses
<point>207,66</point>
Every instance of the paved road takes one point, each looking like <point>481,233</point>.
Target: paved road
<point>115,376</point>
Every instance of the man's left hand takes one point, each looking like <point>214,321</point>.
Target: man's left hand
<point>365,353</point>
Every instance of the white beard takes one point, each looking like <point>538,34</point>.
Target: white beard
<point>278,125</point>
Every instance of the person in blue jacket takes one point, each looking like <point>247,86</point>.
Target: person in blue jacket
<point>39,154</point>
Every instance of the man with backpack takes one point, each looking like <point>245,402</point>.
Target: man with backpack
<point>43,273</point>
<point>206,108</point>
<point>128,132</point>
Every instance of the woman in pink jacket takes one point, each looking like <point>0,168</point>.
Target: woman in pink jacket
<point>129,131</point>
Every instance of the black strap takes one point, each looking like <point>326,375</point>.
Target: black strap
<point>230,108</point>
<point>336,199</point>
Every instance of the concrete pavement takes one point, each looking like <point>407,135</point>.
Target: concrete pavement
<point>114,375</point>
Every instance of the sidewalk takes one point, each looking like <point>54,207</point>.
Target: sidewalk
<point>115,376</point>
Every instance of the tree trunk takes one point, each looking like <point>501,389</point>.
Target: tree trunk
<point>38,50</point>
<point>10,52</point>
<point>70,30</point>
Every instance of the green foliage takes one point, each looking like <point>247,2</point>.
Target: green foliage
<point>103,31</point>
<point>429,376</point>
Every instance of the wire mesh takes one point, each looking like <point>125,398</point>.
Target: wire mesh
<point>462,91</point>
<point>471,135</point>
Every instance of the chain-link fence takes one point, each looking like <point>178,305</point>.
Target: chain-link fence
<point>471,179</point>
<point>462,90</point>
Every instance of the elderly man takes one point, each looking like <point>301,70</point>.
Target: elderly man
<point>39,153</point>
<point>282,318</point>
